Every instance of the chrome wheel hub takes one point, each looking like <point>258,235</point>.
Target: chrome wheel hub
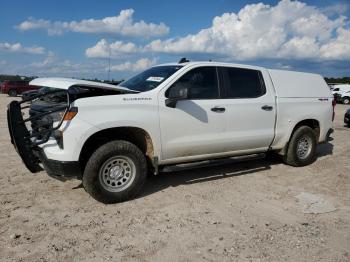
<point>117,173</point>
<point>304,147</point>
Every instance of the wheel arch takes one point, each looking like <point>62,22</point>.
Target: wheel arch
<point>138,136</point>
<point>312,123</point>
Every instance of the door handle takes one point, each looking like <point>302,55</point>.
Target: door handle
<point>267,108</point>
<point>218,109</point>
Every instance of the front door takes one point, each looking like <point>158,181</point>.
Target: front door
<point>196,125</point>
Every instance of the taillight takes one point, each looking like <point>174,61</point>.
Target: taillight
<point>4,87</point>
<point>334,102</point>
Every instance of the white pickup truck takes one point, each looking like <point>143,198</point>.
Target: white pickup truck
<point>111,137</point>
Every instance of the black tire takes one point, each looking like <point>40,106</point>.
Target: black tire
<point>94,175</point>
<point>12,92</point>
<point>294,157</point>
<point>346,100</point>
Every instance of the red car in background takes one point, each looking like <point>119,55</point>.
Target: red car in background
<point>14,88</point>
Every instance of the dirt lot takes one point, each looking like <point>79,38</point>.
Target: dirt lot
<point>245,211</point>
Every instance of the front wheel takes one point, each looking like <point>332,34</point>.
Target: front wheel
<point>115,172</point>
<point>301,149</point>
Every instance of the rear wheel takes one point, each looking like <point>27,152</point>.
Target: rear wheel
<point>115,172</point>
<point>346,100</point>
<point>301,149</point>
<point>12,92</point>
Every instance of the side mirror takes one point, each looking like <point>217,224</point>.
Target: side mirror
<point>176,94</point>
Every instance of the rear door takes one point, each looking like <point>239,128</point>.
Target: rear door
<point>250,109</point>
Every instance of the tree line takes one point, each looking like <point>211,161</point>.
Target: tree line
<point>342,80</point>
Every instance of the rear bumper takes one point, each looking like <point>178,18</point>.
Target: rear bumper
<point>61,170</point>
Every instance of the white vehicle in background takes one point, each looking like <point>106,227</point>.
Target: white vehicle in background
<point>112,136</point>
<point>344,97</point>
<point>340,88</point>
<point>341,93</point>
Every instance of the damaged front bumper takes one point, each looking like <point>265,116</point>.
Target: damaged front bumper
<point>61,170</point>
<point>28,147</point>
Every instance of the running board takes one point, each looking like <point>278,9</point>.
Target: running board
<point>210,163</point>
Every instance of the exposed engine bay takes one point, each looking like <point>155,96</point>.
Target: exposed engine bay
<point>38,116</point>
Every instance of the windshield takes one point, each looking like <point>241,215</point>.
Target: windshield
<point>150,79</point>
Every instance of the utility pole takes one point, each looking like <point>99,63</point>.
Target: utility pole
<point>109,64</point>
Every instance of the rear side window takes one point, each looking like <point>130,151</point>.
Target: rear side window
<point>201,82</point>
<point>243,83</point>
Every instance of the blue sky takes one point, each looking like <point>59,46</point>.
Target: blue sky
<point>77,38</point>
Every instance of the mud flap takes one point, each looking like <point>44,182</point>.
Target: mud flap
<point>20,137</point>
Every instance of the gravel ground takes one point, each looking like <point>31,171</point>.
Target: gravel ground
<point>230,211</point>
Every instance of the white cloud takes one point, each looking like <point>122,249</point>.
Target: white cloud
<point>300,47</point>
<point>18,48</point>
<point>336,9</point>
<point>338,48</point>
<point>290,29</point>
<point>283,66</point>
<point>50,59</point>
<point>121,24</point>
<point>52,65</point>
<point>139,65</point>
<point>103,49</point>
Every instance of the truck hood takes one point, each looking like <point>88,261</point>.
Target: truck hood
<point>66,83</point>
